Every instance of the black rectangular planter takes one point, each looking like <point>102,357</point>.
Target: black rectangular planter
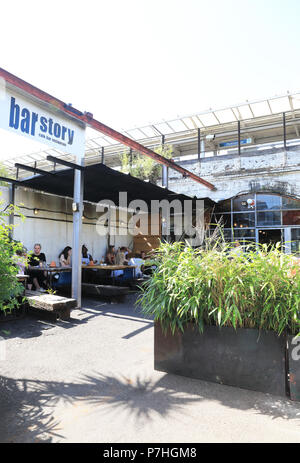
<point>293,359</point>
<point>243,358</point>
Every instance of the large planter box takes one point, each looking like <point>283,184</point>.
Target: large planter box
<point>293,359</point>
<point>243,358</point>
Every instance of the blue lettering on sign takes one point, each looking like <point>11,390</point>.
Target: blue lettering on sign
<point>245,141</point>
<point>27,121</point>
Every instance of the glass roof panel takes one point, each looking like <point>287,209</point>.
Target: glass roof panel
<point>92,144</point>
<point>136,133</point>
<point>188,122</point>
<point>208,119</point>
<point>164,128</point>
<point>177,125</point>
<point>225,115</point>
<point>197,122</point>
<point>280,105</point>
<point>296,100</point>
<point>244,111</point>
<point>260,109</point>
<point>149,131</point>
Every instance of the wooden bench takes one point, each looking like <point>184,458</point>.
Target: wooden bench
<point>107,291</point>
<point>60,307</point>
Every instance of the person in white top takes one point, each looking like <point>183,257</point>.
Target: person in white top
<point>138,260</point>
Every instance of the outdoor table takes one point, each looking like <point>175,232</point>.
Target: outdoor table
<point>51,270</point>
<point>110,267</point>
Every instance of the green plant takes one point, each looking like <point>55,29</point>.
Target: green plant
<point>256,287</point>
<point>3,173</point>
<point>144,167</point>
<point>51,291</point>
<point>10,289</point>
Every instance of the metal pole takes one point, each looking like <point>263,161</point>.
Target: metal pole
<point>77,229</point>
<point>239,137</point>
<point>165,169</point>
<point>199,144</point>
<point>102,155</point>
<point>165,179</point>
<point>284,130</point>
<point>11,218</point>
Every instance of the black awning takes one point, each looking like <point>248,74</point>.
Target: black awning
<point>100,183</point>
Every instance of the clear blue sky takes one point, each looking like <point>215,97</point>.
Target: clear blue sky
<point>134,61</point>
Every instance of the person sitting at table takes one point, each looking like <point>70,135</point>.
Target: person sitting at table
<point>138,261</point>
<point>121,256</point>
<point>86,257</point>
<point>127,252</point>
<point>110,258</point>
<point>65,257</point>
<point>36,277</point>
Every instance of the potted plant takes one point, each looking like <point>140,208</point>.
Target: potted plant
<point>222,314</point>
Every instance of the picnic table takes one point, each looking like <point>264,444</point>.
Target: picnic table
<point>110,268</point>
<point>51,271</point>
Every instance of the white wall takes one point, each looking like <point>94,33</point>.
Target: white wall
<point>232,175</point>
<point>52,226</point>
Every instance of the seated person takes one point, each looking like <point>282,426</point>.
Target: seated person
<point>127,252</point>
<point>65,257</point>
<point>86,257</point>
<point>138,260</point>
<point>110,258</point>
<point>121,256</point>
<point>36,277</point>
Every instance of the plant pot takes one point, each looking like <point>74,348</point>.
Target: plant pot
<point>293,360</point>
<point>245,358</point>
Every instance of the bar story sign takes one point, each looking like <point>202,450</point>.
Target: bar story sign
<point>23,117</point>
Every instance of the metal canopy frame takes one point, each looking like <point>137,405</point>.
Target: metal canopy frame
<point>185,130</point>
<point>87,119</point>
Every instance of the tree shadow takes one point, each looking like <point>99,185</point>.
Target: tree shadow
<point>28,407</point>
<point>23,418</point>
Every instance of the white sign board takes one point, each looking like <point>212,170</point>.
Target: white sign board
<point>25,118</point>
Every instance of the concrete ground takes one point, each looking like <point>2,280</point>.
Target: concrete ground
<point>92,380</point>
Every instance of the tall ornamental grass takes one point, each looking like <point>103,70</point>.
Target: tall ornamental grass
<point>248,287</point>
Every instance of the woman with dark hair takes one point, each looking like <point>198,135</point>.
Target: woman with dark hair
<point>65,257</point>
<point>86,257</point>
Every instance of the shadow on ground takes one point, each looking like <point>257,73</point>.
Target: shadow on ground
<point>34,323</point>
<point>27,407</point>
